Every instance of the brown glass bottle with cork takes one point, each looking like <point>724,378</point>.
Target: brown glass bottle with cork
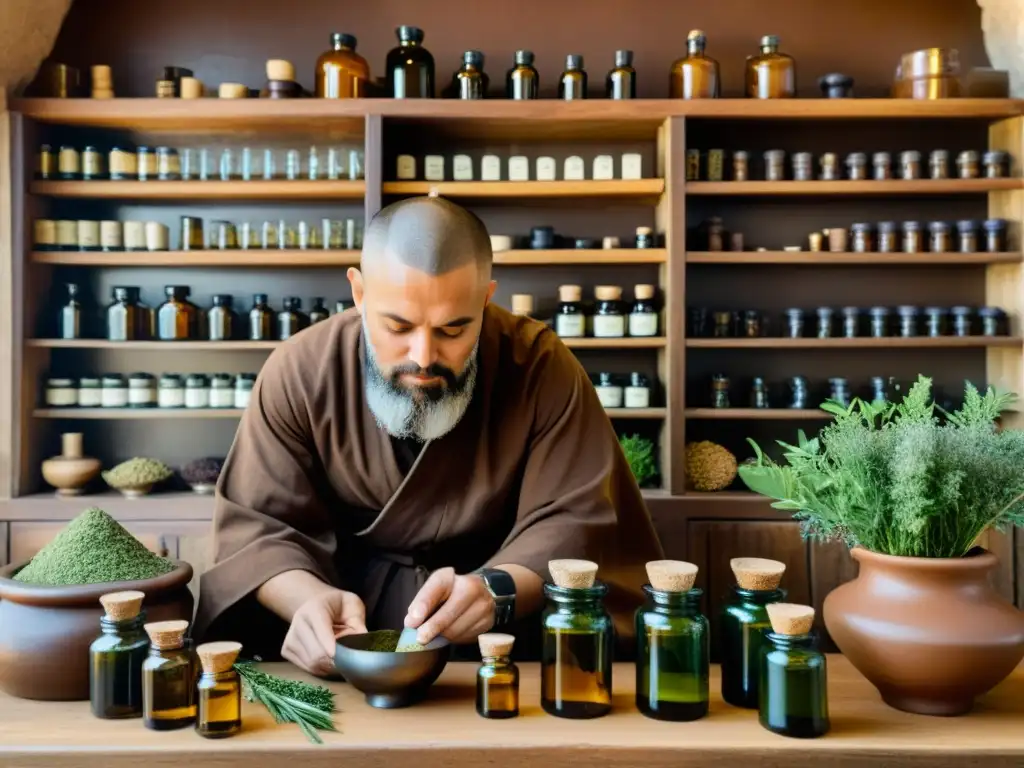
<point>116,657</point>
<point>410,66</point>
<point>341,73</point>
<point>497,679</point>
<point>771,74</point>
<point>218,691</point>
<point>695,76</point>
<point>168,678</point>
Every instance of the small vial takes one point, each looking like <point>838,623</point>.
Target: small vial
<point>313,168</point>
<point>269,166</point>
<point>851,322</point>
<point>219,691</point>
<point>168,678</point>
<point>939,239</point>
<point>246,171</point>
<point>938,164</point>
<point>335,164</point>
<point>962,325</point>
<point>886,237</point>
<point>204,164</point>
<point>355,165</point>
<point>803,166</point>
<point>863,242</point>
<point>912,237</point>
<point>775,165</point>
<point>292,165</point>
<point>187,161</point>
<point>936,320</point>
<point>824,330</point>
<point>740,165</point>
<point>829,163</point>
<point>857,166</point>
<point>879,322</point>
<point>145,164</point>
<point>497,678</point>
<point>882,164</point>
<point>995,235</point>
<point>908,321</point>
<point>286,237</point>
<point>967,236</point>
<point>910,165</point>
<point>719,391</point>
<point>794,323</point>
<point>967,165</point>
<point>227,165</point>
<point>995,162</point>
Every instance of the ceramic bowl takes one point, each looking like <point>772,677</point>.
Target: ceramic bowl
<point>390,679</point>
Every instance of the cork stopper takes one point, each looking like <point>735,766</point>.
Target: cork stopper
<point>756,573</point>
<point>671,575</point>
<point>522,303</point>
<point>279,69</point>
<point>607,292</point>
<point>644,231</point>
<point>218,657</point>
<point>191,88</point>
<point>608,242</point>
<point>573,574</point>
<point>790,618</point>
<point>121,606</point>
<point>101,76</point>
<point>166,635</point>
<point>232,91</point>
<point>495,644</point>
<point>501,243</point>
<point>643,291</point>
<point>569,293</point>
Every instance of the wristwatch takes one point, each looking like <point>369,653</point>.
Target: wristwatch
<point>502,587</point>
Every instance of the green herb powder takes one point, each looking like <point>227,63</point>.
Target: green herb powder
<point>93,549</point>
<point>386,641</point>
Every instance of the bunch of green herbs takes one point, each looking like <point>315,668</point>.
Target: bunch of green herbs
<point>311,707</point>
<point>639,452</point>
<point>906,478</point>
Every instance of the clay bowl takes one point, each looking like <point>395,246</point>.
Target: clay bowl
<point>390,679</point>
<point>45,632</point>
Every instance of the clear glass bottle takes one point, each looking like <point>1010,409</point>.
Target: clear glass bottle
<point>261,319</point>
<point>291,319</point>
<point>221,319</point>
<point>771,74</point>
<point>577,640</point>
<point>743,627</point>
<point>341,73</point>
<point>572,84</point>
<point>122,316</point>
<point>695,76</point>
<point>672,655</point>
<point>793,695</point>
<point>470,82</point>
<point>319,310</point>
<point>497,678</point>
<point>168,678</point>
<point>621,80</point>
<point>218,691</point>
<point>522,81</point>
<point>177,318</point>
<point>410,66</point>
<point>570,321</point>
<point>116,657</point>
<point>70,319</point>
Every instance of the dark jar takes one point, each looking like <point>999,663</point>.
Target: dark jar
<point>621,80</point>
<point>886,237</point>
<point>672,656</point>
<point>570,321</point>
<point>908,321</point>
<point>115,666</point>
<point>938,164</point>
<point>882,163</point>
<point>643,315</point>
<point>609,313</point>
<point>291,319</point>
<point>221,319</point>
<point>967,164</point>
<point>992,321</point>
<point>995,235</point>
<point>752,324</point>
<point>798,392</point>
<point>824,330</point>
<point>939,240</point>
<point>967,236</point>
<point>177,319</point>
<point>839,390</point>
<point>698,323</point>
<point>851,322</point>
<point>910,165</point>
<point>995,162</point>
<point>962,325</point>
<point>936,321</point>
<point>470,82</point>
<point>522,81</point>
<point>169,680</point>
<point>912,241</point>
<point>410,66</point>
<point>759,393</point>
<point>719,391</point>
<point>318,312</point>
<point>879,322</point>
<point>497,678</point>
<point>794,323</point>
<point>793,695</point>
<point>69,320</point>
<point>123,316</point>
<point>857,166</point>
<point>863,240</point>
<point>576,652</point>
<point>723,325</point>
<point>742,630</point>
<point>572,83</point>
<point>261,319</point>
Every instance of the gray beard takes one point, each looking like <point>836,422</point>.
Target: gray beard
<point>399,413</point>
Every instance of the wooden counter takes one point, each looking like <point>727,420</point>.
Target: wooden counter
<point>446,730</point>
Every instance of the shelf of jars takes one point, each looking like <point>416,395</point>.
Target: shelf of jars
<point>850,258</point>
<point>862,342</point>
<point>636,189</point>
<point>890,187</point>
<point>234,413</point>
<point>255,189</point>
<point>773,414</point>
<point>652,342</point>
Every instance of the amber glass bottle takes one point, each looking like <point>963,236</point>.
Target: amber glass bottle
<point>221,319</point>
<point>168,678</point>
<point>573,82</point>
<point>771,74</point>
<point>123,316</point>
<point>410,67</point>
<point>470,81</point>
<point>522,81</point>
<point>177,319</point>
<point>219,691</point>
<point>793,694</point>
<point>70,318</point>
<point>497,679</point>
<point>261,319</point>
<point>695,76</point>
<point>621,80</point>
<point>116,657</point>
<point>341,73</point>
<point>319,311</point>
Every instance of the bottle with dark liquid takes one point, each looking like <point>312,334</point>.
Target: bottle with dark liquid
<point>695,76</point>
<point>261,319</point>
<point>470,81</point>
<point>771,74</point>
<point>410,67</point>
<point>177,318</point>
<point>221,319</point>
<point>145,316</point>
<point>573,82</point>
<point>793,695</point>
<point>497,679</point>
<point>291,319</point>
<point>522,81</point>
<point>673,656</point>
<point>70,321</point>
<point>218,691</point>
<point>621,81</point>
<point>744,627</point>
<point>116,657</point>
<point>168,678</point>
<point>341,73</point>
<point>577,643</point>
<point>319,310</point>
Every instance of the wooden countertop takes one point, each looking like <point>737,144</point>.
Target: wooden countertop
<point>446,729</point>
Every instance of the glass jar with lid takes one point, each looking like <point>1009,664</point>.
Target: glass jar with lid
<point>995,162</point>
<point>570,322</point>
<point>912,240</point>
<point>967,165</point>
<point>142,390</point>
<point>609,318</point>
<point>123,323</point>
<point>261,319</point>
<point>967,236</point>
<point>341,73</point>
<point>497,677</point>
<point>938,164</point>
<point>291,319</point>
<point>609,389</point>
<point>61,392</point>
<point>171,391</point>
<point>910,165</point>
<point>882,164</point>
<point>177,318</point>
<point>115,391</point>
<point>857,166</point>
<point>222,392</point>
<point>168,166</point>
<point>90,392</point>
<point>319,311</point>
<point>197,391</point>
<point>221,319</point>
<point>995,235</point>
<point>793,689</point>
<point>886,237</point>
<point>243,389</point>
<point>637,393</point>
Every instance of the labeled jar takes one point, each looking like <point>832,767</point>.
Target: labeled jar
<point>224,236</point>
<point>90,392</point>
<point>69,164</point>
<point>110,236</point>
<point>115,391</point>
<point>244,383</point>
<point>570,322</point>
<point>886,237</point>
<point>740,165</point>
<point>643,316</point>
<point>116,657</point>
<point>910,165</point>
<point>637,393</point>
<point>44,235</point>
<point>851,322</point>
<point>908,321</point>
<point>168,677</point>
<point>122,316</point>
<point>145,161</point>
<point>192,234</point>
<point>609,389</point>
<point>177,318</point>
<point>222,393</point>
<point>497,678</point>
<point>88,235</point>
<point>168,165</point>
<point>793,695</point>
<point>995,162</point>
<point>936,321</point>
<point>993,321</point>
<point>218,691</point>
<point>291,319</point>
<point>61,393</point>
<point>879,317</point>
<point>829,163</point>
<point>46,163</point>
<point>967,236</point>
<point>720,391</point>
<point>673,648</point>
<point>967,165</point>
<point>197,391</point>
<point>170,391</point>
<point>824,329</point>
<point>142,390</point>
<point>803,166</point>
<point>794,323</point>
<point>912,240</point>
<point>609,320</point>
<point>752,328</point>
<point>134,235</point>
<point>962,321</point>
<point>67,235</point>
<point>92,164</point>
<point>221,320</point>
<point>881,162</point>
<point>122,164</point>
<point>759,393</point>
<point>775,165</point>
<point>644,237</point>
<point>939,240</point>
<point>938,164</point>
<point>857,166</point>
<point>995,235</point>
<point>863,239</point>
<point>157,236</point>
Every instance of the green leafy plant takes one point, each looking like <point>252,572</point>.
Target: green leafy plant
<point>904,478</point>
<point>311,707</point>
<point>639,453</point>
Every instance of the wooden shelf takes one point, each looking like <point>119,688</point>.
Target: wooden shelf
<point>825,258</point>
<point>615,188</point>
<point>122,414</point>
<point>256,189</point>
<point>731,497</point>
<point>775,414</point>
<point>162,505</point>
<point>629,342</point>
<point>638,342</point>
<point>569,256</point>
<point>234,258</point>
<point>863,342</point>
<point>636,413</point>
<point>894,187</point>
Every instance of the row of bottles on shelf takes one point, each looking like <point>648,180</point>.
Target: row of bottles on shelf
<point>849,323</point>
<point>434,168</point>
<point>146,390</point>
<point>545,238</point>
<point>609,316</point>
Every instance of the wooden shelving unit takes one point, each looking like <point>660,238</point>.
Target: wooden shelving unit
<point>860,342</point>
<point>757,414</point>
<point>121,414</point>
<point>210,189</point>
<point>654,342</point>
<point>241,258</point>
<point>894,187</point>
<point>848,259</point>
<point>617,189</point>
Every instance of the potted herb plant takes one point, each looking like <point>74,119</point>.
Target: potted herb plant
<point>911,488</point>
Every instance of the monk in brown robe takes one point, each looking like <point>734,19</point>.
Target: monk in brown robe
<point>417,461</point>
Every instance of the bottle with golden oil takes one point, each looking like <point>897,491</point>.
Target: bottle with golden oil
<point>168,678</point>
<point>522,81</point>
<point>573,82</point>
<point>621,80</point>
<point>46,163</point>
<point>470,81</point>
<point>577,638</point>
<point>497,679</point>
<point>341,73</point>
<point>116,657</point>
<point>695,76</point>
<point>771,74</point>
<point>219,691</point>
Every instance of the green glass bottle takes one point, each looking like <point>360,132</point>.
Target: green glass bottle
<point>794,687</point>
<point>577,643</point>
<point>744,625</point>
<point>116,657</point>
<point>672,660</point>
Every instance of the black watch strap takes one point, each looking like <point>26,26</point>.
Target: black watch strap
<point>502,587</point>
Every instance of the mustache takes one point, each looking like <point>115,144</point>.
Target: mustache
<point>435,369</point>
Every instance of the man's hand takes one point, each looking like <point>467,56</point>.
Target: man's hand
<point>458,607</point>
<point>317,624</point>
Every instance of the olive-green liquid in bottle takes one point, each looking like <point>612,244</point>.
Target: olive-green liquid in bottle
<point>470,81</point>
<point>168,678</point>
<point>621,81</point>
<point>497,678</point>
<point>695,76</point>
<point>219,691</point>
<point>673,657</point>
<point>577,643</point>
<point>573,82</point>
<point>116,657</point>
<point>744,627</point>
<point>410,67</point>
<point>522,81</point>
<point>793,696</point>
<point>771,74</point>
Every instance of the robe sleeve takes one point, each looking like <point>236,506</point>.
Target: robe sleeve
<point>269,513</point>
<point>578,496</point>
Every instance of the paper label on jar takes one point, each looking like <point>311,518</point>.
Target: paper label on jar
<point>632,166</point>
<point>92,163</point>
<point>643,324</point>
<point>433,168</point>
<point>110,234</point>
<point>573,169</point>
<point>610,397</point>
<point>545,169</point>
<point>604,167</point>
<point>462,168</point>
<point>490,168</point>
<point>67,232</point>
<point>638,397</point>
<point>88,234</point>
<point>90,398</point>
<point>222,398</point>
<point>607,326</point>
<point>171,398</point>
<point>44,232</point>
<point>570,326</point>
<point>406,170</point>
<point>518,168</point>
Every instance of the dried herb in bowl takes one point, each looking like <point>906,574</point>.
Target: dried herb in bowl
<point>136,473</point>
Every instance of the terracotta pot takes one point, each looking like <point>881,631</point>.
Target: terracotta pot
<point>930,634</point>
<point>45,632</point>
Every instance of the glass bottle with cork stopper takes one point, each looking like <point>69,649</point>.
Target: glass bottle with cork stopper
<point>570,322</point>
<point>281,83</point>
<point>116,657</point>
<point>609,318</point>
<point>497,679</point>
<point>793,695</point>
<point>168,678</point>
<point>695,76</point>
<point>672,655</point>
<point>643,316</point>
<point>218,691</point>
<point>771,74</point>
<point>522,304</point>
<point>577,636</point>
<point>341,73</point>
<point>743,626</point>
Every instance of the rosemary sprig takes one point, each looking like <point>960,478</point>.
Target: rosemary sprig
<point>290,701</point>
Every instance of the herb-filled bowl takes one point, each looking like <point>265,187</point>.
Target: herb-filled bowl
<point>386,677</point>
